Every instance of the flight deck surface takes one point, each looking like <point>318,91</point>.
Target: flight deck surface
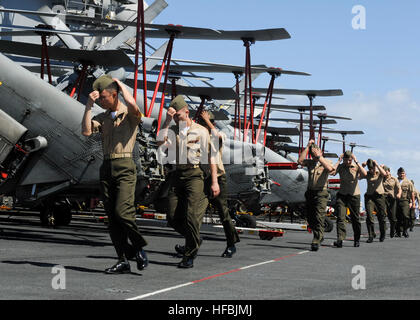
<point>32,258</point>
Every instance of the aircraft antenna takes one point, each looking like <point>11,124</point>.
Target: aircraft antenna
<point>140,32</point>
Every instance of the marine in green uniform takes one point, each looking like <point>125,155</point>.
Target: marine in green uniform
<point>118,128</point>
<point>375,198</point>
<point>392,194</point>
<point>413,207</point>
<point>187,201</point>
<point>348,196</point>
<point>316,194</point>
<point>404,204</point>
<point>220,202</point>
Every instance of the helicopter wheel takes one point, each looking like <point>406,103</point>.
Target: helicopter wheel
<point>266,237</point>
<point>246,221</point>
<point>56,214</point>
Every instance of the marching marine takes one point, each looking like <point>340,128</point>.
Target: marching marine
<point>220,202</point>
<point>348,196</point>
<point>118,127</point>
<point>404,204</point>
<point>393,191</point>
<point>316,194</point>
<point>413,208</point>
<point>187,201</point>
<point>375,198</point>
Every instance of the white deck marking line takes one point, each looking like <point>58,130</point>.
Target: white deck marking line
<point>161,291</point>
<point>214,276</point>
<point>257,264</point>
<point>302,252</point>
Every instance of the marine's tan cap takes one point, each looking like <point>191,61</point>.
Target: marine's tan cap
<point>102,83</point>
<point>348,154</point>
<point>178,103</point>
<point>211,115</point>
<point>314,146</point>
<point>386,168</point>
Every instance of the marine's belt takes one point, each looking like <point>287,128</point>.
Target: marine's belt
<point>316,190</point>
<point>117,156</point>
<point>186,166</point>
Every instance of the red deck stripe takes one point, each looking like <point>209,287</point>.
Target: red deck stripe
<point>216,275</point>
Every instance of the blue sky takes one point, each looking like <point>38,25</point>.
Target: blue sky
<point>377,68</point>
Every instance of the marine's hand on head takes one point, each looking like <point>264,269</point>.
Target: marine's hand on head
<point>311,142</point>
<point>316,152</point>
<point>170,113</point>
<point>93,96</point>
<point>118,82</point>
<point>205,115</point>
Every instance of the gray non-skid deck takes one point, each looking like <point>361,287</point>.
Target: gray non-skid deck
<point>67,263</point>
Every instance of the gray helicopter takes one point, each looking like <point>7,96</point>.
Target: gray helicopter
<point>45,161</point>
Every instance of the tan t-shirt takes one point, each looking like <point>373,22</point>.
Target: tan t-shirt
<point>391,186</point>
<point>317,175</point>
<point>217,147</point>
<point>349,179</point>
<point>416,195</point>
<point>407,189</point>
<point>119,133</point>
<point>374,183</point>
<point>192,145</point>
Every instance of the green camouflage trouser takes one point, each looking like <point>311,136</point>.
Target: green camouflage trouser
<point>391,209</point>
<point>371,202</point>
<point>316,207</point>
<point>412,219</point>
<point>118,179</point>
<point>403,215</point>
<point>353,203</point>
<point>221,205</point>
<point>187,204</point>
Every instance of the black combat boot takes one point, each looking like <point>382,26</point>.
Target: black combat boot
<point>122,266</point>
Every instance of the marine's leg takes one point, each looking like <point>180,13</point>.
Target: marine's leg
<point>196,205</point>
<point>412,218</point>
<point>405,217</point>
<point>370,206</point>
<point>116,233</point>
<point>321,201</point>
<point>221,205</point>
<point>400,218</point>
<point>391,205</point>
<point>381,215</point>
<point>341,211</point>
<point>354,207</point>
<point>125,175</point>
<point>176,214</point>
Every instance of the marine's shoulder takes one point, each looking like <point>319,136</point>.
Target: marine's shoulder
<point>394,179</point>
<point>101,115</point>
<point>199,128</point>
